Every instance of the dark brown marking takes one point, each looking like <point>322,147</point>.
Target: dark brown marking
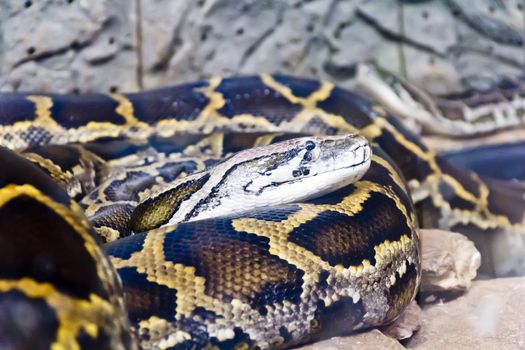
<point>355,109</point>
<point>455,201</point>
<point>463,177</point>
<point>145,299</point>
<point>337,319</point>
<point>508,199</point>
<point>402,291</point>
<point>240,99</point>
<point>234,263</point>
<point>348,240</point>
<point>26,323</point>
<point>15,107</point>
<point>52,250</point>
<point>182,102</point>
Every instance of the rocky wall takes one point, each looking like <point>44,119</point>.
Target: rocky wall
<point>131,45</point>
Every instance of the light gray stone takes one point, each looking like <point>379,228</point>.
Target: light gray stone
<point>371,340</point>
<point>66,46</point>
<point>128,45</point>
<point>449,261</point>
<point>489,316</point>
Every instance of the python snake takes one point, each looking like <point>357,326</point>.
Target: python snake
<point>473,112</point>
<point>269,277</point>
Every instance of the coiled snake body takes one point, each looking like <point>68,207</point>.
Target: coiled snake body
<point>270,277</point>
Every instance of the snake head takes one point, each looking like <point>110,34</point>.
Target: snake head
<point>306,167</point>
<point>280,173</point>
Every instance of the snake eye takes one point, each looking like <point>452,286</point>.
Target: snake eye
<point>296,173</point>
<point>310,145</point>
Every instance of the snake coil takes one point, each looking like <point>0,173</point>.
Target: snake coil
<point>75,168</point>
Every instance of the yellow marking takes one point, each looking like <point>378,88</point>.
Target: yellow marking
<point>214,142</point>
<point>55,170</point>
<point>481,216</point>
<point>43,118</point>
<point>380,110</point>
<point>75,219</point>
<point>459,190</point>
<point>387,247</point>
<point>412,147</point>
<point>300,121</point>
<point>210,119</point>
<point>321,94</point>
<point>125,109</point>
<point>394,175</point>
<point>309,108</point>
<point>74,315</point>
<point>108,233</point>
<point>172,336</point>
<point>85,133</point>
<point>266,139</point>
<point>278,232</point>
<point>483,201</point>
<point>151,261</point>
<point>43,106</point>
<point>64,178</point>
<point>135,127</point>
<point>372,130</point>
<point>216,100</point>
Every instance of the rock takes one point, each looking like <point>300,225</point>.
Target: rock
<point>407,323</point>
<point>102,45</point>
<point>489,316</point>
<point>69,46</point>
<point>449,261</point>
<point>363,341</point>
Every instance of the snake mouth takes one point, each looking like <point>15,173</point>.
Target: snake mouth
<point>344,153</point>
<point>364,163</point>
<point>334,169</point>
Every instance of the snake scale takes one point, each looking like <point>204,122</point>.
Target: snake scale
<point>77,168</point>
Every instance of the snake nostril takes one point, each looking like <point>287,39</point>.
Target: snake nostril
<point>296,173</point>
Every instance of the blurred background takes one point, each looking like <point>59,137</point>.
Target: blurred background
<point>131,45</point>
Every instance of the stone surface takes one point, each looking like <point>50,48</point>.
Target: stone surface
<point>129,45</point>
<point>489,316</point>
<point>68,46</point>
<point>371,340</point>
<point>450,261</point>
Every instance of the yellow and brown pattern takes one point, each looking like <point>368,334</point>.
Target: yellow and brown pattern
<point>270,278</point>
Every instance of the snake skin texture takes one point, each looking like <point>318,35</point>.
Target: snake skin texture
<point>268,278</point>
<point>473,112</point>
